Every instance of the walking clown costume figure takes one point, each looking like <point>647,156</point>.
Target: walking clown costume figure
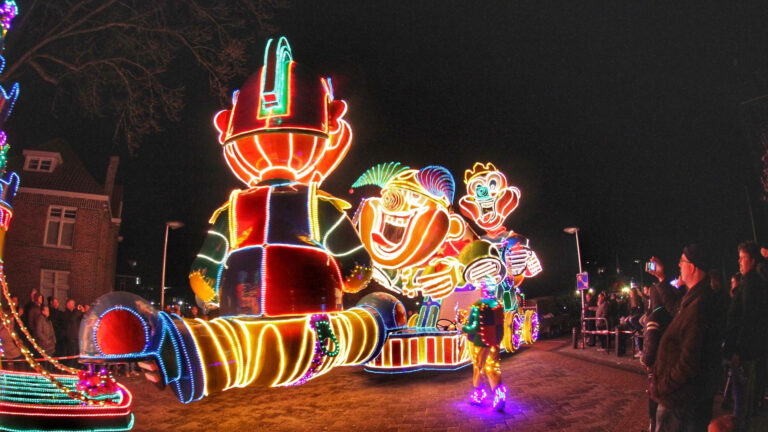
<point>485,330</point>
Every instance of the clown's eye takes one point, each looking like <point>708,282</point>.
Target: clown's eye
<point>416,199</point>
<point>392,200</point>
<point>492,185</point>
<point>481,192</point>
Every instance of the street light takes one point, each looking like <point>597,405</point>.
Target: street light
<point>168,225</point>
<point>575,230</point>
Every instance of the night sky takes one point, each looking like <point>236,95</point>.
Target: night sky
<point>619,118</point>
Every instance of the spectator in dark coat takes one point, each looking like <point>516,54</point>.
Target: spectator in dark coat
<point>71,321</point>
<point>687,359</point>
<point>613,311</point>
<point>29,305</point>
<point>747,334</point>
<point>602,324</point>
<point>32,310</point>
<point>43,331</point>
<point>655,326</point>
<point>57,319</point>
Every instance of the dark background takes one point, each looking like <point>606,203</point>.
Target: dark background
<point>622,119</point>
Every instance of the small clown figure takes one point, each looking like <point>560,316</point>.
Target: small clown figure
<point>485,330</point>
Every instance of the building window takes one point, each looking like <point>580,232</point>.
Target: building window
<point>55,283</point>
<point>60,226</point>
<point>41,164</point>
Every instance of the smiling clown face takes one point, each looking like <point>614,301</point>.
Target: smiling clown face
<point>409,222</point>
<point>489,199</point>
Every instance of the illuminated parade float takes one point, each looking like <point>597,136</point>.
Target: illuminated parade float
<point>281,254</point>
<point>421,248</point>
<point>70,400</point>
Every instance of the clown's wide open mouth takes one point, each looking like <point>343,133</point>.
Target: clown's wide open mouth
<point>486,207</point>
<point>392,229</point>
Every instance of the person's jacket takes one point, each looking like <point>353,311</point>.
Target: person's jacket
<point>32,314</point>
<point>687,359</point>
<point>71,323</point>
<point>10,349</point>
<point>747,325</point>
<point>44,335</point>
<point>658,321</point>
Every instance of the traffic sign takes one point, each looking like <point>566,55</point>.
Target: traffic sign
<point>582,281</point>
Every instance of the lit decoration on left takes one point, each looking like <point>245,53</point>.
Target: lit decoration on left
<point>70,401</point>
<point>278,257</point>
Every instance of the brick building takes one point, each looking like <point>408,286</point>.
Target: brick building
<point>64,232</point>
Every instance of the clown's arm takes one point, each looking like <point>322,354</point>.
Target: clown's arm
<point>339,237</point>
<point>203,276</point>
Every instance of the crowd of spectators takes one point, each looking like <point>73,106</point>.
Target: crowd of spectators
<point>55,329</point>
<point>698,338</point>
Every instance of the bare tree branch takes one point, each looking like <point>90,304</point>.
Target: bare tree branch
<point>113,57</point>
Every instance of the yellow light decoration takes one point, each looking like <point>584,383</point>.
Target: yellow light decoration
<point>239,351</point>
<point>408,352</point>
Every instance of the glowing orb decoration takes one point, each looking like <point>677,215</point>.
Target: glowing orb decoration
<point>489,199</point>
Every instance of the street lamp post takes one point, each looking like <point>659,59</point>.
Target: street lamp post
<point>168,225</point>
<point>575,230</point>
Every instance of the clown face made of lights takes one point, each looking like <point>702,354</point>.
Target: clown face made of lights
<point>489,199</point>
<point>405,227</point>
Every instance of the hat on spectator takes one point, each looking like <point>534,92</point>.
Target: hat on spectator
<point>698,255</point>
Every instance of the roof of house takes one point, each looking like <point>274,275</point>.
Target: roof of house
<point>70,175</point>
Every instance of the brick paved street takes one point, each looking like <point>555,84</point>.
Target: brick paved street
<point>548,390</point>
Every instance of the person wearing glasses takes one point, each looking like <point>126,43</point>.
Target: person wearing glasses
<point>687,360</point>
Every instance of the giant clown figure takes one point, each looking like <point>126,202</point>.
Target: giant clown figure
<point>407,225</point>
<point>277,259</point>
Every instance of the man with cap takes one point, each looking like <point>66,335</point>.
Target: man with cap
<point>685,371</point>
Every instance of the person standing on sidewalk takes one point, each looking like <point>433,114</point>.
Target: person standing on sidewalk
<point>747,335</point>
<point>685,371</point>
<point>659,317</point>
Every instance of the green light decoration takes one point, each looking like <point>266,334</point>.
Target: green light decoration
<point>4,147</point>
<point>274,79</point>
<point>325,332</point>
<point>379,175</point>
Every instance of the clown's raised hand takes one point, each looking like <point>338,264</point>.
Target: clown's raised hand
<point>441,282</point>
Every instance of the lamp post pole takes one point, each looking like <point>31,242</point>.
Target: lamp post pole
<point>168,226</point>
<point>575,230</point>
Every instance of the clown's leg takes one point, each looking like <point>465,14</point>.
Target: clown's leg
<point>493,373</point>
<point>479,355</point>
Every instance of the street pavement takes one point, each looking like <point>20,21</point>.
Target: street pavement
<point>552,387</point>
